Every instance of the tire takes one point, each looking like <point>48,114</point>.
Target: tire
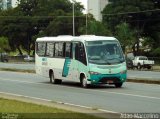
<point>139,66</point>
<point>149,67</point>
<point>5,60</point>
<point>84,82</point>
<point>118,85</point>
<point>53,80</point>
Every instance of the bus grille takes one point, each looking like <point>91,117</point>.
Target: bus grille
<point>110,79</point>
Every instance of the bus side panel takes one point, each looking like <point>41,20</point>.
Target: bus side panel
<point>66,67</point>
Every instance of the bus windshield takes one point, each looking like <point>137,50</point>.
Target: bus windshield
<point>104,52</point>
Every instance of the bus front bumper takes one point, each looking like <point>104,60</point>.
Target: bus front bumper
<point>107,78</point>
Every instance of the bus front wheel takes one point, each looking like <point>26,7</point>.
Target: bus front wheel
<point>118,85</point>
<point>84,82</point>
<point>53,80</point>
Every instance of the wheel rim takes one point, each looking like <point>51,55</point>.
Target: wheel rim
<point>52,78</point>
<point>139,66</point>
<point>84,82</point>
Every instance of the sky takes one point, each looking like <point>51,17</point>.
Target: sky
<point>84,2</point>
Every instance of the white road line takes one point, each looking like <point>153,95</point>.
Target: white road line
<point>18,95</point>
<point>127,94</point>
<point>69,104</point>
<point>111,92</point>
<point>19,81</point>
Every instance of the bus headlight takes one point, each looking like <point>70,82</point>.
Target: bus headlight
<point>93,73</point>
<point>123,72</point>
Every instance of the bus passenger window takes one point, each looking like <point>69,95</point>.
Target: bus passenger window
<point>56,49</point>
<point>50,49</point>
<point>59,49</point>
<point>68,50</point>
<point>41,46</point>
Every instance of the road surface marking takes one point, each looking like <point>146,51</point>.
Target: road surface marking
<point>128,94</point>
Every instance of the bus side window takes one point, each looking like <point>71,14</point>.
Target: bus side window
<point>80,54</point>
<point>41,46</point>
<point>50,49</point>
<point>68,50</point>
<point>59,49</point>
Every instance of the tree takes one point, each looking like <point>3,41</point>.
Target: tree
<point>4,45</point>
<point>125,35</point>
<point>142,15</point>
<point>95,28</point>
<point>33,18</point>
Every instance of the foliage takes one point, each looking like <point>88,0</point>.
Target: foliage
<point>33,18</point>
<point>4,44</point>
<point>97,28</point>
<point>156,52</point>
<point>141,15</point>
<point>125,35</point>
<point>128,20</point>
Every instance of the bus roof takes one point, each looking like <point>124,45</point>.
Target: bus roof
<point>82,38</point>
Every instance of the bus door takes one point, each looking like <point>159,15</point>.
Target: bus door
<point>67,63</point>
<point>79,59</point>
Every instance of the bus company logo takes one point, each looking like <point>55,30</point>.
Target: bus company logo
<point>44,59</point>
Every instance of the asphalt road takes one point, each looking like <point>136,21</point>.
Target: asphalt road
<point>131,98</point>
<point>26,66</point>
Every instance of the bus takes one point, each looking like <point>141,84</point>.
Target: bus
<point>88,59</point>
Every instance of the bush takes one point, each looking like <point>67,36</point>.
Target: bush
<point>156,52</point>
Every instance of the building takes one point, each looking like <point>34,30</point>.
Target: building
<point>6,4</point>
<point>95,7</point>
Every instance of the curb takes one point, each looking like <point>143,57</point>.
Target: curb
<point>147,81</point>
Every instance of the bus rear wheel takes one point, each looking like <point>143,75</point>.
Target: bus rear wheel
<point>53,80</point>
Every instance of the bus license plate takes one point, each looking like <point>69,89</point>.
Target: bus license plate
<point>109,81</point>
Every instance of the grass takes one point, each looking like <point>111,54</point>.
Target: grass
<point>25,110</point>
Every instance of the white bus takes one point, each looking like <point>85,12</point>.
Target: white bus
<point>86,59</point>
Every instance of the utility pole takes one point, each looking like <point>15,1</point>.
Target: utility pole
<point>73,7</point>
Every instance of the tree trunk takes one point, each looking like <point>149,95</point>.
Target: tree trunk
<point>134,50</point>
<point>20,52</point>
<point>137,48</point>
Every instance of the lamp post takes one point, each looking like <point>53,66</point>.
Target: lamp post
<point>87,18</point>
<point>73,17</point>
<point>86,23</point>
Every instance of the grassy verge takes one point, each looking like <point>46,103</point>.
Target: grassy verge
<point>23,110</point>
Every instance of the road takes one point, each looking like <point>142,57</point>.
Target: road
<point>131,98</point>
<point>148,75</point>
<point>132,74</point>
<point>25,66</point>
